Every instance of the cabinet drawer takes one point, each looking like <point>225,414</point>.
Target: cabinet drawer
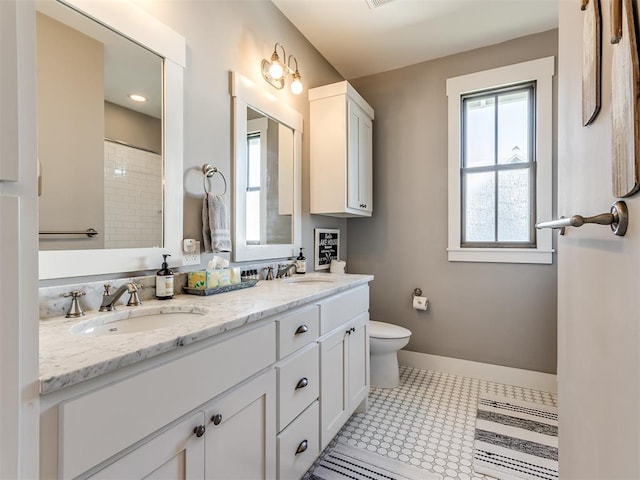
<point>294,455</point>
<point>342,308</point>
<point>97,425</point>
<point>297,329</point>
<point>298,384</point>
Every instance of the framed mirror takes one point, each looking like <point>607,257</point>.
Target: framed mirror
<point>104,163</point>
<point>267,174</point>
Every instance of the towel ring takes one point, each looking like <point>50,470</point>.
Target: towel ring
<point>209,171</point>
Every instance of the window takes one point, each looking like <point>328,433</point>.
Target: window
<point>500,155</point>
<point>254,174</point>
<point>255,186</point>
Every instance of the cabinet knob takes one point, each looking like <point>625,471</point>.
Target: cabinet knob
<point>199,430</point>
<point>302,329</point>
<point>348,332</point>
<point>353,329</point>
<point>304,381</point>
<point>302,447</point>
<point>217,419</point>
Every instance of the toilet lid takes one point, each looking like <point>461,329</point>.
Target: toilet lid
<point>387,330</point>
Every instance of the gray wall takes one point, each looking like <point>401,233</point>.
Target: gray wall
<point>70,134</point>
<point>502,314</point>
<point>133,128</point>
<point>236,35</point>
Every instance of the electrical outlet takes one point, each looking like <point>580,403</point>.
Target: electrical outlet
<point>192,258</point>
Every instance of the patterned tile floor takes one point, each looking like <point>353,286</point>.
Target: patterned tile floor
<point>429,420</point>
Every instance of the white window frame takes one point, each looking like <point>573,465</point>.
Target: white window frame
<point>541,71</point>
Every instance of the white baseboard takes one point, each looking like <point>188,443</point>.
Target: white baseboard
<point>546,382</point>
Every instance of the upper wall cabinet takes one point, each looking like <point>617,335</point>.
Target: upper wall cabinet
<point>341,152</point>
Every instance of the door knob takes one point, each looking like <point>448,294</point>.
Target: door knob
<point>617,218</point>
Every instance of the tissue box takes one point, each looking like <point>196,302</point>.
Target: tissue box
<point>207,279</point>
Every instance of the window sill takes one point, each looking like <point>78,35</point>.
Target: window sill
<point>501,255</point>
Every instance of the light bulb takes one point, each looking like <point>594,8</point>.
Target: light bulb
<point>296,85</point>
<point>137,97</point>
<point>276,70</point>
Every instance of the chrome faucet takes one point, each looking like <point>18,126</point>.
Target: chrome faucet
<point>109,300</point>
<point>284,269</point>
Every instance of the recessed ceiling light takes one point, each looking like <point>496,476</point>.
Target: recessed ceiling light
<point>137,98</point>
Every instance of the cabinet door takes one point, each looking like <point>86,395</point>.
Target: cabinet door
<point>176,453</point>
<point>360,159</point>
<point>358,361</point>
<point>240,440</point>
<point>334,399</point>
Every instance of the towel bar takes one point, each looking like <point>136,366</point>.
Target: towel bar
<point>89,232</point>
<point>209,171</point>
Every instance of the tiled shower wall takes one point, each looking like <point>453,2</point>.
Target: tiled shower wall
<point>133,197</point>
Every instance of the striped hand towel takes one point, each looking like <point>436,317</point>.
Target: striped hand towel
<point>216,234</point>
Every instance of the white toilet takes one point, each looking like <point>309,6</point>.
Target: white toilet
<point>385,340</point>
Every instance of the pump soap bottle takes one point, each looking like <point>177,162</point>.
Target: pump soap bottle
<point>301,263</point>
<point>164,281</point>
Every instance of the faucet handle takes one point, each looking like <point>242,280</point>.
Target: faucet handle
<point>269,270</point>
<point>134,299</point>
<point>107,286</point>
<point>75,310</point>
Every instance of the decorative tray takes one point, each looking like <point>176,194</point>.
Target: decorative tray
<point>223,289</point>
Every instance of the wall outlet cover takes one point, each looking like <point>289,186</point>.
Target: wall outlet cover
<point>192,258</point>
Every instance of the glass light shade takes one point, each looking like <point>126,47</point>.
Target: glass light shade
<point>275,70</point>
<point>296,85</point>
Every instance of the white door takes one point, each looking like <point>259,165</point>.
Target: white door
<point>598,283</point>
<point>358,363</point>
<point>240,438</point>
<point>334,390</point>
<point>176,454</point>
<point>18,243</point>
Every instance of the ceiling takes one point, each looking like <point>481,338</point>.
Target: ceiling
<point>359,40</point>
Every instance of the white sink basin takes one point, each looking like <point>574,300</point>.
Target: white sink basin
<point>133,320</point>
<point>309,280</point>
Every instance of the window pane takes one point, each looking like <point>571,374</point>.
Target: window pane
<point>514,209</point>
<point>253,161</point>
<point>479,145</point>
<point>253,216</point>
<point>513,127</point>
<point>479,213</point>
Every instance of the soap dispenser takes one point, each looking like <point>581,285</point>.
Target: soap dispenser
<point>301,263</point>
<point>164,281</point>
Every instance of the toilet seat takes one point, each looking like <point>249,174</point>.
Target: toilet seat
<point>387,330</point>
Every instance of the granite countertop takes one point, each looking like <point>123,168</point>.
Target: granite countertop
<point>67,358</point>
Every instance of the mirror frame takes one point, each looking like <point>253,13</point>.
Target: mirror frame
<point>134,23</point>
<point>245,94</point>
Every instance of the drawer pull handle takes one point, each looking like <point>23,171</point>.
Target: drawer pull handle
<point>302,383</point>
<point>199,430</point>
<point>216,419</point>
<point>302,447</point>
<point>302,329</point>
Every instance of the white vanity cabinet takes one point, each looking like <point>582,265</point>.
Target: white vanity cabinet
<point>88,427</point>
<point>344,360</point>
<point>341,148</point>
<point>257,402</point>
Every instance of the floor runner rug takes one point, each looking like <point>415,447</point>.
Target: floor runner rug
<point>515,439</point>
<point>344,462</point>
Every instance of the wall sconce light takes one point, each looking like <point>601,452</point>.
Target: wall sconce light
<point>275,71</point>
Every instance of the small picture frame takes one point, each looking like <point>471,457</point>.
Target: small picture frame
<point>326,247</point>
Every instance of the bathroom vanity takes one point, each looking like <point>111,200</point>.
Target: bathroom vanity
<point>253,384</point>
